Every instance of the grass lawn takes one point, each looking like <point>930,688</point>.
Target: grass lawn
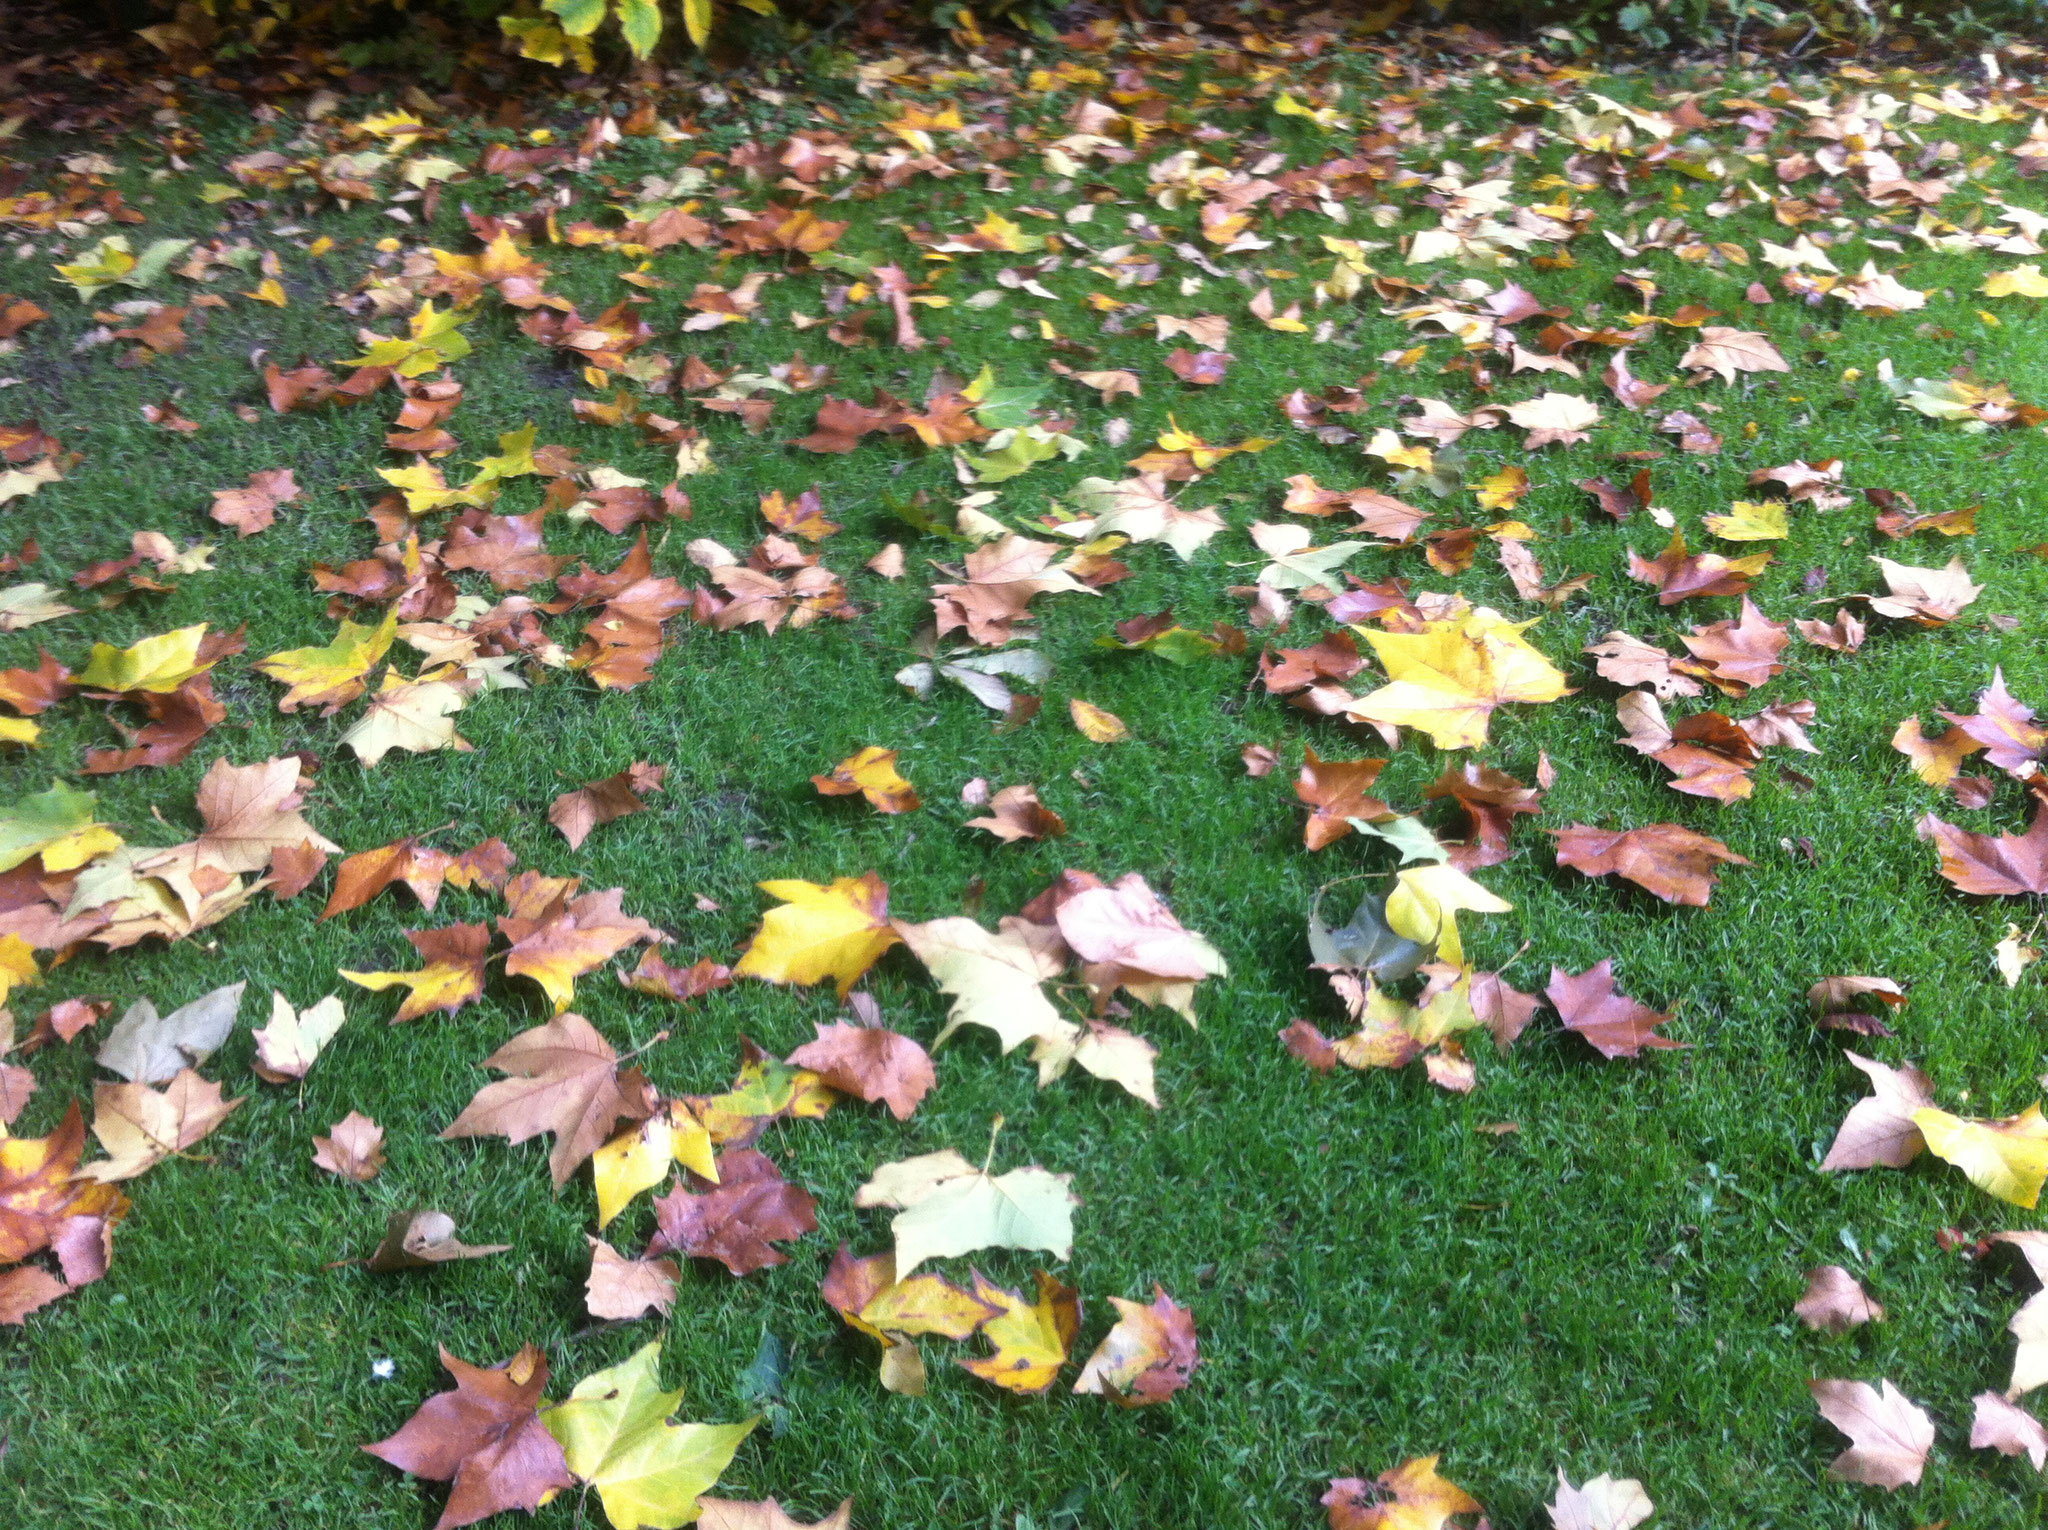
<point>1374,1276</point>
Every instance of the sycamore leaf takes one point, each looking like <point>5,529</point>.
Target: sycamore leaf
<point>600,802</point>
<point>413,715</point>
<point>1724,352</point>
<point>1883,1129</point>
<point>1889,1435</point>
<point>1425,904</point>
<point>1835,1302</point>
<point>1147,1357</point>
<point>767,1514</point>
<point>1031,1339</point>
<point>1614,1024</point>
<point>332,676</point>
<point>750,1208</point>
<point>1448,678</point>
<point>567,939</point>
<point>155,665</point>
<point>141,1127</point>
<point>487,1437</point>
<point>147,1048</point>
<point>453,976</point>
<point>946,1207</point>
<point>419,1240</point>
<point>1748,521</point>
<point>2007,1158</point>
<point>1410,1496</point>
<point>871,1063</point>
<point>637,1159</point>
<point>42,1199</point>
<point>1297,565</point>
<point>620,1289</point>
<point>1562,418</point>
<point>1996,1424</point>
<point>872,773</point>
<point>565,1079</point>
<point>1605,1503</point>
<point>57,825</point>
<point>352,1149</point>
<point>617,1435</point>
<point>821,932</point>
<point>993,978</point>
<point>1140,508</point>
<point>1673,862</point>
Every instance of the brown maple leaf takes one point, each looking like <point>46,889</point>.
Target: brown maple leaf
<point>1879,1130</point>
<point>1620,500</point>
<point>1992,865</point>
<point>1015,813</point>
<point>1335,789</point>
<point>1628,660</point>
<point>565,1079</point>
<point>487,1437</point>
<point>1740,655</point>
<point>600,802</point>
<point>178,720</point>
<point>1491,800</point>
<point>508,548</point>
<point>1673,862</point>
<point>1707,753</point>
<point>2005,728</point>
<point>1677,575</point>
<point>567,939</point>
<point>1613,1023</point>
<point>751,1208</point>
<point>1001,580</point>
<point>870,1063</point>
<point>655,976</point>
<point>254,508</point>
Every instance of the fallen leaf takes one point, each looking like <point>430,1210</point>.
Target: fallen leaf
<point>42,1199</point>
<point>1988,865</point>
<point>1016,813</point>
<point>453,975</point>
<point>1146,1357</point>
<point>1031,1339</point>
<point>1835,1301</point>
<point>486,1436</point>
<point>1996,1424</point>
<point>870,1063</point>
<point>286,1047</point>
<point>946,1207</point>
<point>767,1514</point>
<point>140,1127</point>
<point>1725,352</point>
<point>1677,575</point>
<point>565,1079</point>
<point>1889,1435</point>
<point>1410,1496</point>
<point>418,1240</point>
<point>147,1048</point>
<point>1673,862</point>
<point>1335,790</point>
<point>820,932</point>
<point>1605,1503</point>
<point>1613,1023</point>
<point>872,774</point>
<point>739,1221</point>
<point>353,1148</point>
<point>617,1435</point>
<point>619,1289</point>
<point>2007,1158</point>
<point>1881,1130</point>
<point>1095,724</point>
<point>600,802</point>
<point>254,508</point>
<point>1933,597</point>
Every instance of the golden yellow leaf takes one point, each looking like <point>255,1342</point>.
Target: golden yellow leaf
<point>1447,679</point>
<point>819,932</point>
<point>2020,281</point>
<point>160,664</point>
<point>332,676</point>
<point>1424,907</point>
<point>2007,1158</point>
<point>1750,521</point>
<point>1032,1339</point>
<point>873,774</point>
<point>1097,725</point>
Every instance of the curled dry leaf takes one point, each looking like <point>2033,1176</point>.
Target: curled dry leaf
<point>140,1127</point>
<point>871,773</point>
<point>147,1048</point>
<point>286,1047</point>
<point>1335,791</point>
<point>417,1240</point>
<point>353,1148</point>
<point>1834,1301</point>
<point>1992,865</point>
<point>1016,813</point>
<point>1147,1357</point>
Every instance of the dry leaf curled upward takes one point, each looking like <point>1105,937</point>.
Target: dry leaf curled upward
<point>1016,813</point>
<point>682,984</point>
<point>1147,1357</point>
<point>487,1437</point>
<point>415,1240</point>
<point>872,774</point>
<point>287,1047</point>
<point>1890,1436</point>
<point>600,802</point>
<point>1835,1301</point>
<point>353,1148</point>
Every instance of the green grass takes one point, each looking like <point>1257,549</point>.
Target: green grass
<point>1609,1289</point>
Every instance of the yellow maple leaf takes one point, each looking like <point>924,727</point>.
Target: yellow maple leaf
<point>331,676</point>
<point>1750,521</point>
<point>873,774</point>
<point>835,932</point>
<point>2008,1158</point>
<point>1448,678</point>
<point>1096,724</point>
<point>617,1435</point>
<point>1424,907</point>
<point>1032,1339</point>
<point>160,664</point>
<point>2020,281</point>
<point>17,965</point>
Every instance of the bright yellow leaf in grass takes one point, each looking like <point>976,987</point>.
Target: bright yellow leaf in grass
<point>17,965</point>
<point>433,341</point>
<point>1750,521</point>
<point>617,1435</point>
<point>872,774</point>
<point>1502,491</point>
<point>1424,907</point>
<point>697,21</point>
<point>332,676</point>
<point>835,932</point>
<point>417,716</point>
<point>1447,679</point>
<point>21,730</point>
<point>1032,1339</point>
<point>1095,724</point>
<point>160,664</point>
<point>426,488</point>
<point>58,825</point>
<point>1008,237</point>
<point>2008,1158</point>
<point>635,1160</point>
<point>2020,281</point>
